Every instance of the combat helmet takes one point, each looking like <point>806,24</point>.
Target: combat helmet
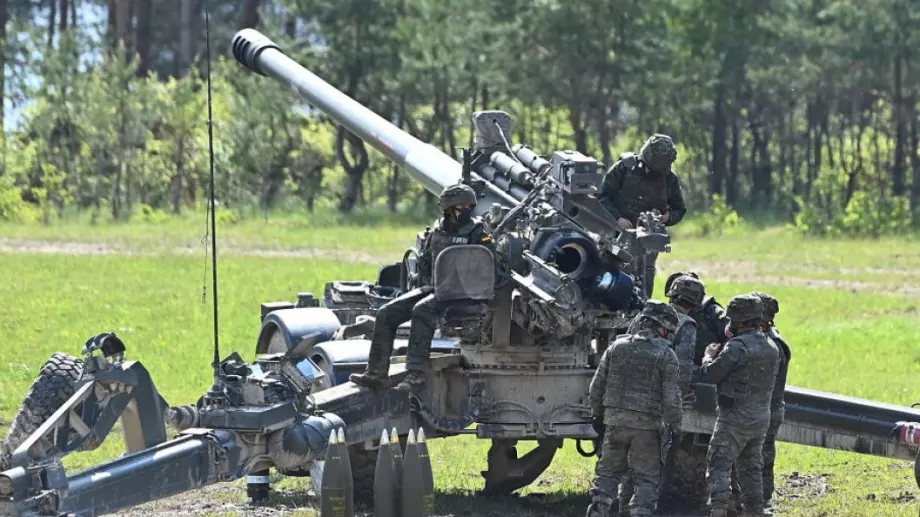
<point>661,313</point>
<point>770,305</point>
<point>658,152</point>
<point>688,289</point>
<point>674,276</point>
<point>457,195</point>
<point>745,307</point>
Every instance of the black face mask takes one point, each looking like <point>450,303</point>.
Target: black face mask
<point>465,215</point>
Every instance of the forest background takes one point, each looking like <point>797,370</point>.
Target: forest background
<point>785,111</point>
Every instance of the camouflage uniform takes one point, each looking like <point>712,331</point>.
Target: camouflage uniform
<point>778,403</point>
<point>709,316</point>
<point>635,390</point>
<point>420,304</point>
<point>636,184</point>
<point>685,293</point>
<point>745,371</point>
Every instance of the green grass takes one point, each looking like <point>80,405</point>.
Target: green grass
<point>855,343</point>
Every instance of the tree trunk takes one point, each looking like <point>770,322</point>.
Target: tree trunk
<point>4,20</point>
<point>731,186</point>
<point>144,35</point>
<point>717,171</point>
<point>898,171</point>
<point>249,15</point>
<point>186,41</point>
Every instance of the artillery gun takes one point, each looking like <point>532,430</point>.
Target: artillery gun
<point>512,363</point>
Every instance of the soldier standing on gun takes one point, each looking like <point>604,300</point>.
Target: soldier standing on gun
<point>745,372</point>
<point>636,184</point>
<point>778,403</point>
<point>456,226</point>
<point>634,390</point>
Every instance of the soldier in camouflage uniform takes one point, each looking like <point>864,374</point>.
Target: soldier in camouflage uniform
<point>778,403</point>
<point>745,371</point>
<point>643,182</point>
<point>711,321</point>
<point>456,226</point>
<point>685,293</point>
<point>634,390</point>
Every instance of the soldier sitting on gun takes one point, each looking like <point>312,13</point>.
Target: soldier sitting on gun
<point>636,184</point>
<point>456,226</point>
<point>634,391</point>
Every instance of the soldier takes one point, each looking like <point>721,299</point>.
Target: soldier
<point>778,403</point>
<point>643,182</point>
<point>455,226</point>
<point>745,370</point>
<point>634,390</point>
<point>685,294</point>
<point>710,318</point>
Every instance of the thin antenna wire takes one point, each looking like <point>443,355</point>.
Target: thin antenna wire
<point>213,209</point>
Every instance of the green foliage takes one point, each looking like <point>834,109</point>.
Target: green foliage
<point>864,216</point>
<point>12,206</point>
<point>718,218</point>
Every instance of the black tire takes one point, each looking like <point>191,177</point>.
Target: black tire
<point>55,384</point>
<point>363,468</point>
<point>685,491</point>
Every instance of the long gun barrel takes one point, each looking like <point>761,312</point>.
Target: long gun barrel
<point>427,164</point>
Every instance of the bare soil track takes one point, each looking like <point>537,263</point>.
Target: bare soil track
<point>721,271</point>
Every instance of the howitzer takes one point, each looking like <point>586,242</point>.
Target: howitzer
<point>514,365</point>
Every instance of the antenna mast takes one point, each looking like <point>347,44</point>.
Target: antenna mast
<point>212,208</point>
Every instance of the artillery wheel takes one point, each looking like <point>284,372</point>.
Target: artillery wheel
<point>685,490</point>
<point>49,391</point>
<point>507,473</point>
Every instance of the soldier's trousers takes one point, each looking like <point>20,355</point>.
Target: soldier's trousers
<point>424,310</point>
<point>738,444</point>
<point>635,453</point>
<point>769,454</point>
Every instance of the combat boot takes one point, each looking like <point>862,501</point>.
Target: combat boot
<point>414,382</point>
<point>599,507</point>
<point>369,379</point>
<point>718,511</point>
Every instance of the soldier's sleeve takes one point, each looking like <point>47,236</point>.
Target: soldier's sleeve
<point>424,264</point>
<point>686,345</point>
<point>677,207</point>
<point>720,320</point>
<point>599,385</point>
<point>611,185</point>
<point>483,238</point>
<point>715,369</point>
<point>670,389</point>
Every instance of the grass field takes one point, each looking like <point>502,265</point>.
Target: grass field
<point>849,310</point>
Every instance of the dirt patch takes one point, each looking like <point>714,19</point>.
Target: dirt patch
<point>721,271</point>
<point>113,248</point>
<point>751,273</point>
<point>803,486</point>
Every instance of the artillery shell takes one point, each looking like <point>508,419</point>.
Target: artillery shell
<point>332,498</point>
<point>427,473</point>
<point>348,480</point>
<point>413,500</point>
<point>386,495</point>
